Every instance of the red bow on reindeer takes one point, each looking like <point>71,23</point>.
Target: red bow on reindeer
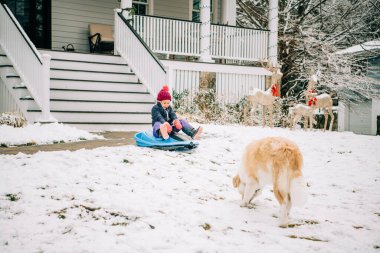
<point>312,101</point>
<point>275,90</point>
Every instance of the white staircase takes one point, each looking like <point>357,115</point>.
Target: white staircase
<point>89,91</point>
<point>13,93</point>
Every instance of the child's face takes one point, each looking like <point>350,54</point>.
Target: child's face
<point>165,103</point>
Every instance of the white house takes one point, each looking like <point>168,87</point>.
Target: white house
<point>168,42</point>
<point>363,117</point>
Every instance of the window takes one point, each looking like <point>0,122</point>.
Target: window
<point>35,18</point>
<point>196,15</point>
<point>140,7</point>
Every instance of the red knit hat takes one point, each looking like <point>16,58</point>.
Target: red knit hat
<point>164,94</point>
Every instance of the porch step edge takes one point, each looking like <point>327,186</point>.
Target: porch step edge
<point>93,71</point>
<point>91,62</point>
<point>105,112</point>
<point>97,81</point>
<point>92,101</point>
<point>104,91</point>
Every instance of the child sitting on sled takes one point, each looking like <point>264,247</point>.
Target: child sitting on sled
<point>165,121</point>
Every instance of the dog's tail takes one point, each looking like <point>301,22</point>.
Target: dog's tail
<point>290,155</point>
<point>298,191</point>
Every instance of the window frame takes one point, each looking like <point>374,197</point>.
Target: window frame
<point>144,3</point>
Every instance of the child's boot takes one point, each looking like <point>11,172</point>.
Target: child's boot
<point>196,133</point>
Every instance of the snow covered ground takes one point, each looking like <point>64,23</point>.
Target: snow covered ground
<point>131,199</point>
<point>33,134</point>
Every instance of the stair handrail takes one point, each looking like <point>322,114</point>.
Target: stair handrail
<point>132,48</point>
<point>32,67</point>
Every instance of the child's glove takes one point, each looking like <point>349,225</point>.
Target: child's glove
<point>168,127</point>
<point>177,124</point>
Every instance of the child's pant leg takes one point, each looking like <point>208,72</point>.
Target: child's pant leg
<point>156,129</point>
<point>186,127</point>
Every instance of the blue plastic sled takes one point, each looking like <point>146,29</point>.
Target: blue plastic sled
<point>146,139</point>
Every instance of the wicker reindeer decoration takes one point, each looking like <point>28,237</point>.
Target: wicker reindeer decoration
<point>267,98</point>
<point>322,101</point>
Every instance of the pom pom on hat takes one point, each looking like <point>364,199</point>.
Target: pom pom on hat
<point>164,94</point>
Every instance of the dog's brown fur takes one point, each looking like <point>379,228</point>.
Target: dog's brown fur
<point>273,160</point>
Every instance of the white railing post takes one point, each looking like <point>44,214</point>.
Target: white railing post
<point>126,4</point>
<point>205,43</point>
<point>45,90</point>
<point>115,31</point>
<point>125,7</point>
<point>170,78</point>
<point>273,34</point>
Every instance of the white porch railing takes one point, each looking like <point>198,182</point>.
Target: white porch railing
<point>138,55</point>
<point>7,102</point>
<point>228,42</point>
<point>232,83</point>
<point>182,37</point>
<point>32,68</point>
<point>232,87</point>
<point>169,36</point>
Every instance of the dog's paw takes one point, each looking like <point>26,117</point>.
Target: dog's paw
<point>243,204</point>
<point>283,223</point>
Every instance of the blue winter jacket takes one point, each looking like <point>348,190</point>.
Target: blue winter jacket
<point>161,115</point>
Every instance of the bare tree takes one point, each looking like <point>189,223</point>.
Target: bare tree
<point>310,34</point>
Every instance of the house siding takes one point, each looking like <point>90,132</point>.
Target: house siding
<point>360,118</point>
<point>70,20</point>
<point>182,9</point>
<point>172,8</point>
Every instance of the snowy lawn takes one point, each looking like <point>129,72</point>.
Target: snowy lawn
<point>33,134</point>
<point>131,199</point>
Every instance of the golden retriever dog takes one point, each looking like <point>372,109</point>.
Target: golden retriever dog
<point>277,161</point>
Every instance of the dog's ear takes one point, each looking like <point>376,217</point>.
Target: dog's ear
<point>236,181</point>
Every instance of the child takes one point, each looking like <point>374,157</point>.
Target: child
<point>165,121</point>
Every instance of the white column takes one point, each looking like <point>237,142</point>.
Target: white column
<point>126,4</point>
<point>205,43</point>
<point>273,31</point>
<point>45,91</point>
<point>229,12</point>
<point>115,30</point>
<point>150,7</point>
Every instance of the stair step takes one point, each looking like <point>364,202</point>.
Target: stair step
<point>92,76</point>
<point>94,66</point>
<point>100,95</point>
<point>84,57</point>
<point>4,60</point>
<point>89,85</point>
<point>99,116</point>
<point>84,105</point>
